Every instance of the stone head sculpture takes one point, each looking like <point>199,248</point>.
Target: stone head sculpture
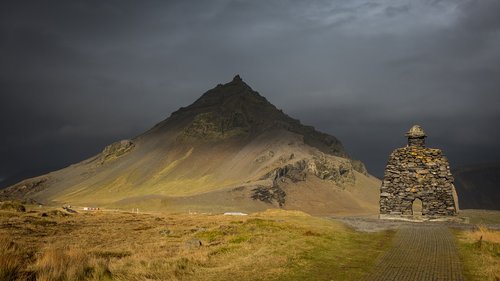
<point>416,136</point>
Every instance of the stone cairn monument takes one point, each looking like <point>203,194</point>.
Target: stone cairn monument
<point>417,174</point>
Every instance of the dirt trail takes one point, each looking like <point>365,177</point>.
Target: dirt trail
<point>419,252</point>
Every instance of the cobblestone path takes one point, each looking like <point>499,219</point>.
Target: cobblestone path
<point>419,253</point>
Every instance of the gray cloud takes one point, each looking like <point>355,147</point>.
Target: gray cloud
<point>77,75</point>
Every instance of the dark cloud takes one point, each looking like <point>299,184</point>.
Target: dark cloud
<point>76,75</point>
<point>481,16</point>
<point>393,11</point>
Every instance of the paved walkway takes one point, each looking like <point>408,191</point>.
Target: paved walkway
<point>420,252</point>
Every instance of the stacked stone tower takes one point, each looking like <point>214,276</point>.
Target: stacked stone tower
<point>416,172</point>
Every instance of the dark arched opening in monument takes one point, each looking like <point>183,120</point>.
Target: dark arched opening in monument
<point>417,207</point>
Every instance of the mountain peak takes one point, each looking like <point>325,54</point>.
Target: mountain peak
<point>234,93</point>
<point>235,109</point>
<point>237,78</point>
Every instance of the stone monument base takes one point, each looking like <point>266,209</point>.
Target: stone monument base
<point>420,218</point>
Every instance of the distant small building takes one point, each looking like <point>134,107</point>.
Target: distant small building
<point>417,181</point>
<point>235,214</point>
<point>90,209</point>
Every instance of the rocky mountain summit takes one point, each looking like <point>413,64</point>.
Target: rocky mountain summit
<point>235,109</point>
<point>229,149</point>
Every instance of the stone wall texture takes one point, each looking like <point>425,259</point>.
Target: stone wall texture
<point>418,172</point>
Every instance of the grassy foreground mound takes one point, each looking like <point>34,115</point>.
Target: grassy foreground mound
<point>271,245</point>
<point>12,206</point>
<point>480,253</point>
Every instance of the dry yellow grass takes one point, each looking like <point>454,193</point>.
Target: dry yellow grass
<point>12,260</point>
<point>49,264</point>
<point>272,245</point>
<point>484,234</point>
<point>480,251</point>
<point>69,264</point>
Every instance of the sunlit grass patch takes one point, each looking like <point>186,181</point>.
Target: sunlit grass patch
<point>239,239</point>
<point>70,264</point>
<point>480,252</point>
<point>13,260</point>
<point>211,235</point>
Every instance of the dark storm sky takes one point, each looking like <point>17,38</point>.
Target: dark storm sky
<point>77,75</point>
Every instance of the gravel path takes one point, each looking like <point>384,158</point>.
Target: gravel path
<point>419,252</point>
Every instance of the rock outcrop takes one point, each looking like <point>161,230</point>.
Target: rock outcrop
<point>23,190</point>
<point>269,194</point>
<point>116,150</point>
<point>340,172</point>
